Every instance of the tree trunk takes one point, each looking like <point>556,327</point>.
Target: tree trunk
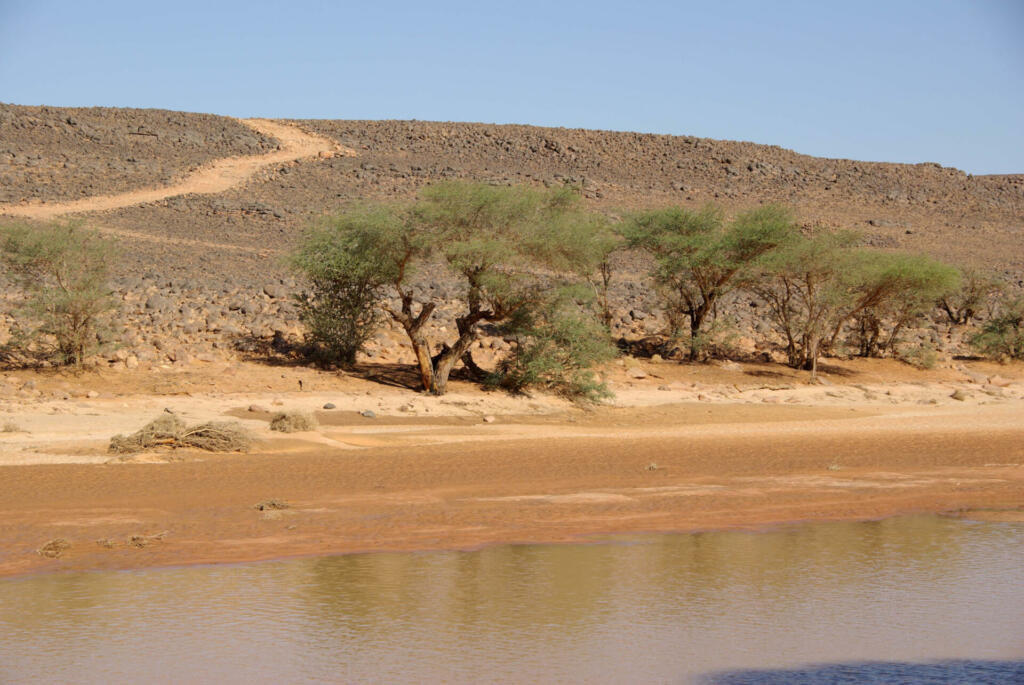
<point>413,327</point>
<point>812,360</point>
<point>474,369</point>
<point>446,362</point>
<point>422,351</point>
<point>696,321</point>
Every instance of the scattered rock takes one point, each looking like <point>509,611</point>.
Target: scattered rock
<point>974,376</point>
<point>271,504</point>
<point>489,419</point>
<point>960,395</point>
<point>636,372</point>
<point>330,405</point>
<point>274,291</point>
<point>370,414</point>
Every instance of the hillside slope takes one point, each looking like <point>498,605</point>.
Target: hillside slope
<point>65,154</point>
<point>201,270</point>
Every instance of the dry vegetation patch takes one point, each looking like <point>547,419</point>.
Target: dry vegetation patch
<point>292,422</point>
<point>171,432</point>
<point>54,548</point>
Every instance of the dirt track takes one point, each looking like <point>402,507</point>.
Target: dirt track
<point>212,178</point>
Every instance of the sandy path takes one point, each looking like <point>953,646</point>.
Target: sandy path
<point>215,177</point>
<point>212,178</point>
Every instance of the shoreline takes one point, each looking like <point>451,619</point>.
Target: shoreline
<point>474,469</point>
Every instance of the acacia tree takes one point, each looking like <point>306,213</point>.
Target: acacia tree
<point>978,291</point>
<point>895,290</point>
<point>1002,336</point>
<point>504,247</point>
<point>60,272</point>
<point>810,288</point>
<point>600,242</point>
<point>700,257</point>
<point>816,285</point>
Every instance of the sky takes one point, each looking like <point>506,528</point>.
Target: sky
<point>902,81</point>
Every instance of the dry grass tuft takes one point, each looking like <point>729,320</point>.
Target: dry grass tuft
<point>54,548</point>
<point>168,430</point>
<point>11,427</point>
<point>292,422</point>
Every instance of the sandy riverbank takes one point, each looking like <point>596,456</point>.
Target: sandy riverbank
<point>683,448</point>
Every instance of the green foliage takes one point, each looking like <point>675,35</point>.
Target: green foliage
<point>895,290</point>
<point>817,285</point>
<point>348,260</point>
<point>924,356</point>
<point>556,351</point>
<point>507,248</point>
<point>61,274</point>
<point>811,285</point>
<point>1002,336</point>
<point>978,291</point>
<point>700,257</point>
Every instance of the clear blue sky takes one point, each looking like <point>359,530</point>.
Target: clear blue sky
<point>900,80</point>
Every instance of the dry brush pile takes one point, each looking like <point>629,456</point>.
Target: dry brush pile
<point>170,432</point>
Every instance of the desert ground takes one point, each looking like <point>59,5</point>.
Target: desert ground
<point>204,207</point>
<point>681,448</point>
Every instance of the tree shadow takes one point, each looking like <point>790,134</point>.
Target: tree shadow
<point>281,352</point>
<point>951,672</point>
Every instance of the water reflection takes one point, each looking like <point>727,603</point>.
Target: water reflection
<point>647,609</point>
<point>882,673</point>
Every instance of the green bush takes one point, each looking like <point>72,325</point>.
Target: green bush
<point>556,352</point>
<point>1002,336</point>
<point>344,262</point>
<point>60,272</point>
<point>924,356</point>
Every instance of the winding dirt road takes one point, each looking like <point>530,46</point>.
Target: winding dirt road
<point>215,177</point>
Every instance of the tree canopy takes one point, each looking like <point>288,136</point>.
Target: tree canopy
<point>508,249</point>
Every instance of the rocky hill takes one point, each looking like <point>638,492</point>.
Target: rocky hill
<point>200,265</point>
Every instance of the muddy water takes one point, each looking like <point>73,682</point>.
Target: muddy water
<point>916,600</point>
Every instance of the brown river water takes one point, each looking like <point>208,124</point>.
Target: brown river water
<point>915,600</point>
